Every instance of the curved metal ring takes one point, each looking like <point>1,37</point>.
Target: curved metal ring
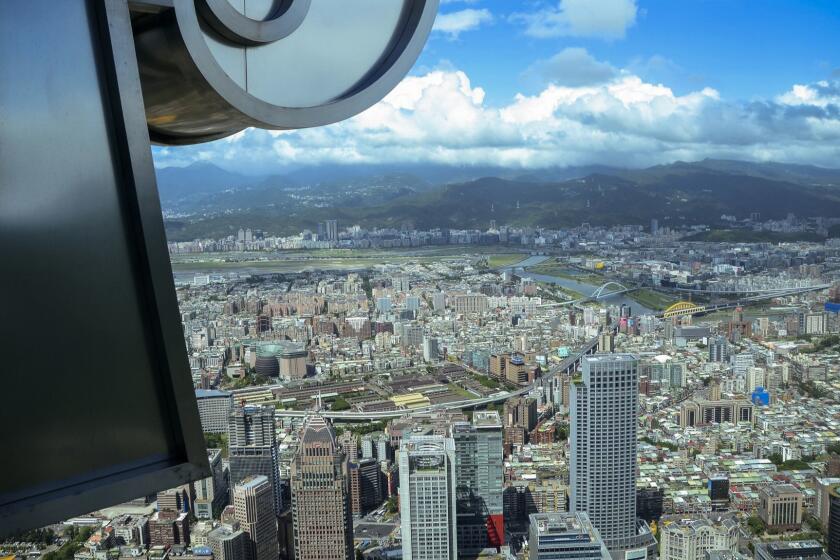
<point>234,26</point>
<point>405,47</point>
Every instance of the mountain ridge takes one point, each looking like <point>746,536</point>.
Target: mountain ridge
<point>679,194</point>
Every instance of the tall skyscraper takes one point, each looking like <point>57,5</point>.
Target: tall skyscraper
<point>427,498</point>
<point>479,475</point>
<point>253,502</point>
<point>252,447</point>
<point>604,413</point>
<point>321,515</point>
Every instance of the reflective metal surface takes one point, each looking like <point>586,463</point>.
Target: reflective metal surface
<point>203,80</point>
<point>97,404</point>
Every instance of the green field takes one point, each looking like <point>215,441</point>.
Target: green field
<point>329,259</point>
<point>561,270</point>
<point>460,391</point>
<point>506,259</point>
<point>652,299</point>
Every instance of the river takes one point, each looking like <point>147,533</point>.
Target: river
<point>581,287</point>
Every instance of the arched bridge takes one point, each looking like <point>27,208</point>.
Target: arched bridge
<point>603,291</point>
<point>683,308</point>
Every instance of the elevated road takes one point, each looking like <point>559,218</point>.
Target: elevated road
<point>568,365</point>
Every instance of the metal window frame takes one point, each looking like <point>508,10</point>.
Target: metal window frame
<point>58,500</point>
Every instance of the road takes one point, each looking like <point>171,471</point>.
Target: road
<point>568,365</point>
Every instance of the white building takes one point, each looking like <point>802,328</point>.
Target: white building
<point>604,407</point>
<point>427,498</point>
<point>214,408</point>
<point>690,539</point>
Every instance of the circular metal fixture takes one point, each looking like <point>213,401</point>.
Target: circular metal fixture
<point>210,68</point>
<point>232,24</point>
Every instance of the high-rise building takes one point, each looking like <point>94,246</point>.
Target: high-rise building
<point>479,475</point>
<point>604,414</point>
<point>521,412</point>
<point>253,503</point>
<point>430,349</point>
<point>211,492</point>
<point>321,514</point>
<point>214,408</point>
<point>252,447</point>
<point>365,485</point>
<point>564,536</point>
<point>718,349</point>
<point>427,498</point>
<point>228,543</point>
<point>332,230</point>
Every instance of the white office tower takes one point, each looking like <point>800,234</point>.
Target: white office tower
<point>427,498</point>
<point>604,409</point>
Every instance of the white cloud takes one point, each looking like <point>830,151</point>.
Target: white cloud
<point>441,117</point>
<point>455,23</point>
<point>573,66</point>
<point>607,19</point>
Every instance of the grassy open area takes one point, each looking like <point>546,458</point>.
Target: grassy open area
<point>460,391</point>
<point>506,259</point>
<point>561,270</point>
<point>652,299</point>
<point>332,259</point>
<point>558,293</point>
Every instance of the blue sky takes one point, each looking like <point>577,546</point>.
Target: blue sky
<point>743,48</point>
<point>540,83</point>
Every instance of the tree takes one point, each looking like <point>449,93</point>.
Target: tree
<point>217,441</point>
<point>340,403</point>
<point>756,525</point>
<point>391,505</point>
<point>563,433</point>
<point>776,459</point>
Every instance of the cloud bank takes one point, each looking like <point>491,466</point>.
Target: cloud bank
<point>605,115</point>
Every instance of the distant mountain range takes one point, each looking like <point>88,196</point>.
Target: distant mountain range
<point>215,202</point>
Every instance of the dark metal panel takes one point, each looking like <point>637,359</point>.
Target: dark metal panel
<point>102,408</point>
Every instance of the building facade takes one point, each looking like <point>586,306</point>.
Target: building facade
<point>321,513</point>
<point>691,538</point>
<point>252,447</point>
<point>603,414</point>
<point>780,506</point>
<point>479,475</point>
<point>213,409</point>
<point>428,498</point>
<point>253,502</point>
